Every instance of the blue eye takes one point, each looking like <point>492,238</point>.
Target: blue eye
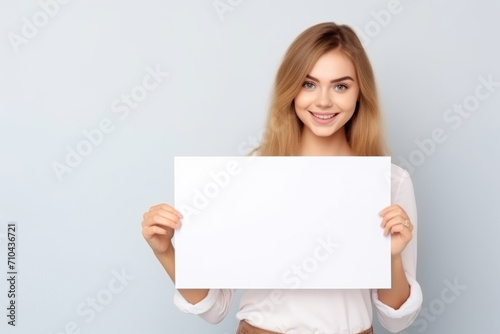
<point>308,85</point>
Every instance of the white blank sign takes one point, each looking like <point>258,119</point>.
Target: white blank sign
<point>282,222</point>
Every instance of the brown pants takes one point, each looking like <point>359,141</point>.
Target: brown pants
<point>246,328</point>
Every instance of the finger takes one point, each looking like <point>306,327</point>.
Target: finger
<point>403,231</point>
<point>392,215</point>
<point>166,219</point>
<point>407,223</point>
<point>168,215</point>
<point>389,208</point>
<point>151,231</point>
<point>167,207</point>
<point>410,226</point>
<point>398,220</point>
<point>163,218</point>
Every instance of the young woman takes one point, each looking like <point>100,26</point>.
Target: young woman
<point>324,103</point>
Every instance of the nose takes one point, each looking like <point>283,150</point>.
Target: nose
<point>324,99</point>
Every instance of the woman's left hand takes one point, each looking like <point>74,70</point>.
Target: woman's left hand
<point>396,221</point>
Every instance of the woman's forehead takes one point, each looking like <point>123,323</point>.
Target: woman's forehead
<point>333,63</point>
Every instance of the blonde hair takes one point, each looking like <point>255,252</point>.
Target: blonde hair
<point>364,131</point>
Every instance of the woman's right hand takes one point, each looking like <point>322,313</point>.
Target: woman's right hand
<point>158,226</point>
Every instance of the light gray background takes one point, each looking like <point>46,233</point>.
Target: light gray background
<point>74,233</point>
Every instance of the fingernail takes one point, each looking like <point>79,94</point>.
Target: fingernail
<point>180,215</point>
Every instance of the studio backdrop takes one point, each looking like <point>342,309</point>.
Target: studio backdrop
<point>97,97</point>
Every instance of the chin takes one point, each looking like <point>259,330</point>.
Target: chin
<point>324,132</point>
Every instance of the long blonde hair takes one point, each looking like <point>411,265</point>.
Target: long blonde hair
<point>364,131</point>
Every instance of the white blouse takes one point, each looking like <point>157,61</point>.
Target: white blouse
<point>301,311</point>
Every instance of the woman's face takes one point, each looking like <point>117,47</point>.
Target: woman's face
<point>327,99</point>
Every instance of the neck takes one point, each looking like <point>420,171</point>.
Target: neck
<point>336,144</point>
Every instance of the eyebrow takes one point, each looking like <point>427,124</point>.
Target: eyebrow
<point>332,81</point>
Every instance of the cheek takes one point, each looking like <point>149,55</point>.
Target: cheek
<point>347,103</point>
<point>302,101</point>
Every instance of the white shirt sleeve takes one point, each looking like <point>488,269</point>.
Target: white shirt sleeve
<point>213,308</point>
<point>396,320</point>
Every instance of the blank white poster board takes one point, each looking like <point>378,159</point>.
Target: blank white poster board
<point>282,222</point>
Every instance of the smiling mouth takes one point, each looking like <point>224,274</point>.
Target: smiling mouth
<point>324,116</point>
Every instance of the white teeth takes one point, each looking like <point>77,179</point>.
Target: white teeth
<point>324,117</point>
